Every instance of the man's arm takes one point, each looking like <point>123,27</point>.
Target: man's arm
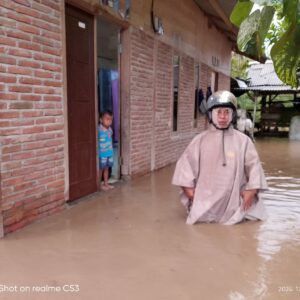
<point>248,197</point>
<point>189,192</point>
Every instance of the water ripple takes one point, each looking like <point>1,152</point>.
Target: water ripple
<point>282,201</point>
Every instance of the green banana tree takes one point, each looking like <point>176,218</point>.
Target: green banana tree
<point>276,21</point>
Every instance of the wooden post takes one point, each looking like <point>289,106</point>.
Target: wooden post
<point>254,116</point>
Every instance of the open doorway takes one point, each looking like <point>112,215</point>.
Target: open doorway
<point>108,82</point>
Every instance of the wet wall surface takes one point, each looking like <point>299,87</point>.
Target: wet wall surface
<point>132,243</point>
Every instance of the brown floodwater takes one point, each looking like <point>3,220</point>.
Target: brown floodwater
<point>132,243</point>
<point>281,162</point>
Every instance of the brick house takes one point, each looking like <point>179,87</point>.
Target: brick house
<point>63,61</point>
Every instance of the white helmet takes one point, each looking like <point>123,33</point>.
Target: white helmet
<point>222,99</point>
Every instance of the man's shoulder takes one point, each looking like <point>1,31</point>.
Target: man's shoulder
<point>243,138</point>
<point>199,136</point>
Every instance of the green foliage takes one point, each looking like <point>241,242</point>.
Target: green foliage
<point>266,2</point>
<point>253,31</point>
<point>286,56</point>
<point>240,12</point>
<point>276,31</point>
<point>239,66</point>
<point>291,10</point>
<point>281,30</point>
<point>245,102</point>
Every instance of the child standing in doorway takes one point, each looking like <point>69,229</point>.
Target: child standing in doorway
<point>105,147</point>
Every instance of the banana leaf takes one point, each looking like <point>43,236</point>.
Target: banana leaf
<point>253,31</point>
<point>286,56</point>
<point>240,12</point>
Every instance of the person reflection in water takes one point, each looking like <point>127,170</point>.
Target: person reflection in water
<point>220,173</point>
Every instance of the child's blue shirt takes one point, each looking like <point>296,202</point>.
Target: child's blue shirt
<point>105,141</point>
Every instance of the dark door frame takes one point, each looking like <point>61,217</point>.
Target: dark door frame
<point>78,186</point>
<point>123,62</point>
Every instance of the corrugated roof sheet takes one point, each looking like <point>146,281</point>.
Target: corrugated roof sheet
<point>262,77</point>
<point>263,74</point>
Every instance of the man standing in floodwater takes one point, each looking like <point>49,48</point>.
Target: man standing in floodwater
<point>220,173</point>
<point>243,123</point>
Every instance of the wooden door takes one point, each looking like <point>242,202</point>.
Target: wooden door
<point>81,102</point>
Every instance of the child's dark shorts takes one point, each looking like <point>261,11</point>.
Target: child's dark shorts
<point>106,162</point>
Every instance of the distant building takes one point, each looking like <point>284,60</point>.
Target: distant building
<point>265,87</point>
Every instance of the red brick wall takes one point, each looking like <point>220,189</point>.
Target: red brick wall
<point>153,144</point>
<point>186,101</point>
<point>31,116</point>
<point>141,101</point>
<point>205,75</point>
<point>164,153</point>
<point>224,82</point>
